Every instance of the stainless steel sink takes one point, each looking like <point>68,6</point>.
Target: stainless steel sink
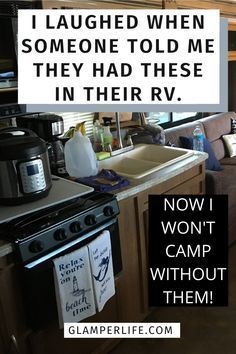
<point>144,159</point>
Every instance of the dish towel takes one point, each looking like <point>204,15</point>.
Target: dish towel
<point>74,287</point>
<point>102,269</point>
<point>105,181</point>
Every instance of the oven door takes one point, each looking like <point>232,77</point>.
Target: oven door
<point>38,280</point>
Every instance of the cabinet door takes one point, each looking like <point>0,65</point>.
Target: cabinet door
<point>190,182</point>
<point>142,212</point>
<point>60,4</point>
<point>3,349</point>
<point>102,4</point>
<point>194,186</point>
<point>232,65</point>
<point>130,290</point>
<point>13,329</point>
<point>51,339</point>
<point>16,337</point>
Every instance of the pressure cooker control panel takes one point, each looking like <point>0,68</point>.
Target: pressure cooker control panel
<point>32,176</point>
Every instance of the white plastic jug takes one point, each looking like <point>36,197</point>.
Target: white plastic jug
<point>80,159</point>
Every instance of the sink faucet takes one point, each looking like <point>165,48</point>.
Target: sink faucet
<point>120,149</point>
<point>120,145</point>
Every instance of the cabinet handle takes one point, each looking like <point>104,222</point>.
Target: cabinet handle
<point>14,344</point>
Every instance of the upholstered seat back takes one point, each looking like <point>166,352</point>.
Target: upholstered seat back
<point>213,128</point>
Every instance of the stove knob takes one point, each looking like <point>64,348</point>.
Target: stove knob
<point>90,220</point>
<point>75,227</point>
<point>108,211</point>
<point>60,235</point>
<point>36,246</point>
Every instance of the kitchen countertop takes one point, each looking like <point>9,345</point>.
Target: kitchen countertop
<point>61,191</point>
<point>139,185</point>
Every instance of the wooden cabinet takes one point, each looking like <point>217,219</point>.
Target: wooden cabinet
<point>133,222</point>
<point>101,4</point>
<point>51,339</point>
<point>130,289</point>
<point>60,4</point>
<point>8,95</point>
<point>232,66</point>
<point>232,41</point>
<point>13,328</point>
<point>130,301</point>
<point>226,8</point>
<point>17,337</point>
<point>232,86</point>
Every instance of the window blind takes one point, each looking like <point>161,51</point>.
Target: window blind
<point>70,119</point>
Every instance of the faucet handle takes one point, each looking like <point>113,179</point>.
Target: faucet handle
<point>129,141</point>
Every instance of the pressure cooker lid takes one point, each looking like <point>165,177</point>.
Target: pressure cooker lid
<point>20,147</point>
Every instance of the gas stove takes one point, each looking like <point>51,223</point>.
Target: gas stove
<point>39,233</point>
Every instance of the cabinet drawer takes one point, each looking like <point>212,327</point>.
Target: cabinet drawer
<point>194,186</point>
<point>189,182</point>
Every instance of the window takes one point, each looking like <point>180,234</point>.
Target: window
<point>155,118</point>
<point>163,118</point>
<point>170,119</point>
<point>182,115</point>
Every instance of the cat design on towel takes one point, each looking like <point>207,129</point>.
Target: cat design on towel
<point>104,268</point>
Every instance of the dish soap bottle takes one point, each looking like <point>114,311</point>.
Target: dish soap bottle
<point>98,143</point>
<point>107,136</point>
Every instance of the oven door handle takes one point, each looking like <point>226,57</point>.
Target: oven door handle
<point>63,248</point>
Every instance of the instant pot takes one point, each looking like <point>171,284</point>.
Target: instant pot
<point>24,167</point>
<point>49,127</point>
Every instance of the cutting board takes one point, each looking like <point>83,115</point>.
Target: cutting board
<point>61,191</point>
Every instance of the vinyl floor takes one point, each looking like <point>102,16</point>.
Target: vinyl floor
<point>210,330</point>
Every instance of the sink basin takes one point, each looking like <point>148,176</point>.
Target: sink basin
<point>144,159</point>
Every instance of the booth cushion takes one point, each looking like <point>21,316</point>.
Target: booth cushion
<point>230,142</point>
<point>172,134</point>
<point>211,163</point>
<point>217,182</point>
